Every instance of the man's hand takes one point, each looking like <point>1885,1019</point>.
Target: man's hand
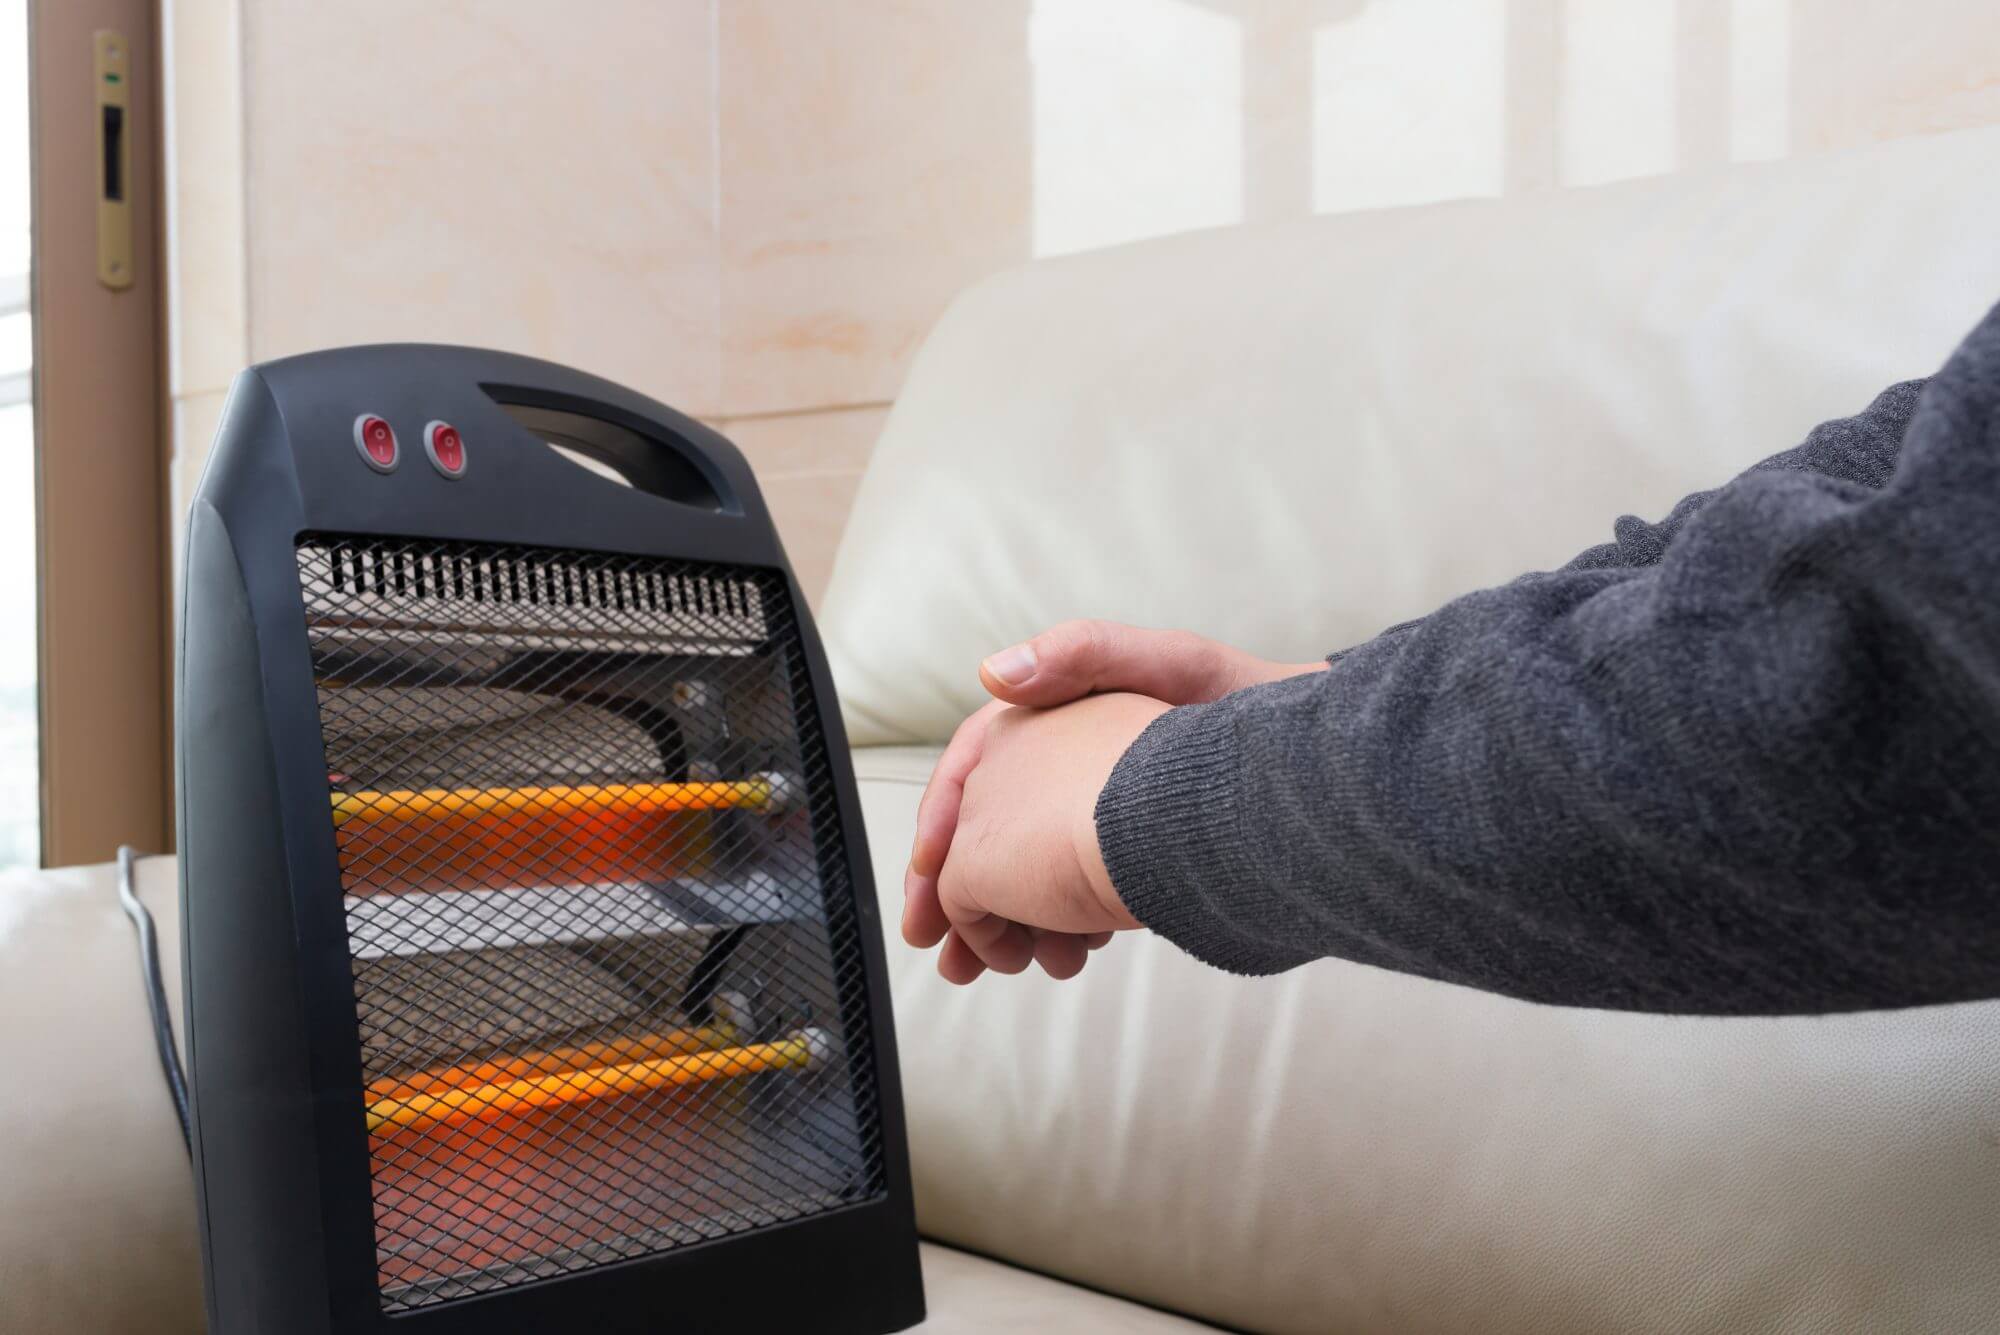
<point>1046,764</point>
<point>1025,881</point>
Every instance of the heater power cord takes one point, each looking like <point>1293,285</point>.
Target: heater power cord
<point>156,991</point>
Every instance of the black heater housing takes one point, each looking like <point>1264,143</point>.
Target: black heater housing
<point>534,974</point>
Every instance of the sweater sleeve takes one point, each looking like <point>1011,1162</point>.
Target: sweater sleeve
<point>1743,761</point>
<point>1862,450</point>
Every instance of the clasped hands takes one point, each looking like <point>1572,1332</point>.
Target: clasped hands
<point>1006,868</point>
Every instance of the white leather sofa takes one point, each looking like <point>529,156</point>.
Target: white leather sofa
<point>1287,438</point>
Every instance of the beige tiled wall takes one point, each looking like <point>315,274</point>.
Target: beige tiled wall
<point>1864,72</point>
<point>510,173</point>
<point>809,464</point>
<point>875,160</point>
<point>207,333</point>
<point>754,209</point>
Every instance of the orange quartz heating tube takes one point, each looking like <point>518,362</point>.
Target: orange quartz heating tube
<point>803,1049</point>
<point>579,1057</point>
<point>490,838</point>
<point>590,799</point>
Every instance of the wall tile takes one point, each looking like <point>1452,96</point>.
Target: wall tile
<point>1863,71</point>
<point>1702,40</point>
<point>876,162</point>
<point>195,419</point>
<point>822,442</point>
<point>207,341</point>
<point>1534,50</point>
<point>506,173</point>
<point>811,510</point>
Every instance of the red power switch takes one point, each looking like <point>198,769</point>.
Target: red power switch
<point>376,441</point>
<point>446,448</point>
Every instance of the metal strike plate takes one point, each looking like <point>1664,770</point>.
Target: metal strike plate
<point>111,75</point>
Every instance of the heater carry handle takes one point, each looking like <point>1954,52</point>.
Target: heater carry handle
<point>542,454</point>
<point>647,456</point>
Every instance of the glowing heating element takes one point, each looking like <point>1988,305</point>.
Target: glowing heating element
<point>637,1048</point>
<point>756,794</point>
<point>806,1048</point>
<point>498,838</point>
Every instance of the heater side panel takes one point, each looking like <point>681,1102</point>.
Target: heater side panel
<point>254,1152</point>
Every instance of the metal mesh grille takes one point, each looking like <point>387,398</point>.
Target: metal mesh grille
<point>605,963</point>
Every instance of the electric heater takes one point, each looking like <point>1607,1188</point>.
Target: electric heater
<point>534,977</point>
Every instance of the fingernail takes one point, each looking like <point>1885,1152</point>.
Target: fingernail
<point>1012,666</point>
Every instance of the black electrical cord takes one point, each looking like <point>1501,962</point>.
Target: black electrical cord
<point>156,991</point>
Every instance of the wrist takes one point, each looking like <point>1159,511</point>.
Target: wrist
<point>1139,713</point>
<point>1262,671</point>
<point>1090,859</point>
<point>1281,671</point>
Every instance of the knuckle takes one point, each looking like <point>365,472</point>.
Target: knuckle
<point>953,901</point>
<point>972,724</point>
<point>998,728</point>
<point>1187,646</point>
<point>1074,639</point>
<point>1196,658</point>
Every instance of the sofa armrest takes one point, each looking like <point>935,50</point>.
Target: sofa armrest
<point>97,1212</point>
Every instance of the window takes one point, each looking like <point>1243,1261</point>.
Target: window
<point>20,732</point>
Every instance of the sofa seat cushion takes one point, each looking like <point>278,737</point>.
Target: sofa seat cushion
<point>1340,1148</point>
<point>96,1202</point>
<point>972,1295</point>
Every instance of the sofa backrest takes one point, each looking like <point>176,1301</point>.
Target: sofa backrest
<point>1291,436</point>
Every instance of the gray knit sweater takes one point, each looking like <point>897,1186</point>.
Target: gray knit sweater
<point>1745,760</point>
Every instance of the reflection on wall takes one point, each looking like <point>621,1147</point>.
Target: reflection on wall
<point>1138,125</point>
<point>1159,116</point>
<point>797,191</point>
<point>1390,130</point>
<point>1760,85</point>
<point>1617,90</point>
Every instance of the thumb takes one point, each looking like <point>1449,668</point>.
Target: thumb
<point>1078,658</point>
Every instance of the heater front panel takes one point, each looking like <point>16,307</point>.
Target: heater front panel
<point>607,977</point>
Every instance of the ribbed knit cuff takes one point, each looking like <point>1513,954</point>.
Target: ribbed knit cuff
<point>1173,839</point>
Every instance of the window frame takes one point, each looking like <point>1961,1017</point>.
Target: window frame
<point>100,459</point>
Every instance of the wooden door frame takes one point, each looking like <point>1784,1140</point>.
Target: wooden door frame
<point>100,446</point>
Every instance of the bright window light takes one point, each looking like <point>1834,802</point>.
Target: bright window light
<point>1760,78</point>
<point>1409,104</point>
<point>1616,99</point>
<point>1138,108</point>
<point>20,738</point>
